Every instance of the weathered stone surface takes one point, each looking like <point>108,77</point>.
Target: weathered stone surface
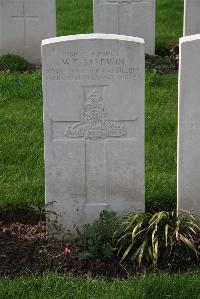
<point>189,125</point>
<point>23,26</point>
<point>93,88</point>
<point>191,17</point>
<point>128,17</point>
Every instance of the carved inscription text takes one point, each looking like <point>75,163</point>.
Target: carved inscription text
<point>104,65</point>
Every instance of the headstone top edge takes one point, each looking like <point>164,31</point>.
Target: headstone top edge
<point>92,36</point>
<point>189,38</point>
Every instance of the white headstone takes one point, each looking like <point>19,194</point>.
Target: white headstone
<point>23,26</point>
<point>93,88</point>
<point>189,125</point>
<point>128,17</point>
<point>191,17</point>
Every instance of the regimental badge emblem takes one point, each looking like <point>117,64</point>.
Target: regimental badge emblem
<point>96,122</point>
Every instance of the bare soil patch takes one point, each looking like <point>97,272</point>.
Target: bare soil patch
<point>25,250</point>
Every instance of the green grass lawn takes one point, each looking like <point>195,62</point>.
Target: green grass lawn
<point>21,147</point>
<point>169,22</point>
<point>182,286</point>
<point>22,170</point>
<point>21,135</point>
<point>75,16</point>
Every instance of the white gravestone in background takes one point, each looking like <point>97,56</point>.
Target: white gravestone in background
<point>191,17</point>
<point>189,125</point>
<point>23,26</point>
<point>93,89</point>
<point>128,17</point>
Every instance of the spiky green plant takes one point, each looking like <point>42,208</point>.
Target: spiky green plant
<point>158,238</point>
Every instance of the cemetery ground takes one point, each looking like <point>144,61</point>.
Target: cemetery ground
<point>23,249</point>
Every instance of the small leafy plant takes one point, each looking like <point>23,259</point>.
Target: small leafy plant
<point>14,63</point>
<point>97,237</point>
<point>42,212</point>
<point>158,239</point>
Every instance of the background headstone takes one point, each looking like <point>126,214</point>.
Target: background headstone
<point>23,26</point>
<point>93,88</point>
<point>191,17</point>
<point>128,17</point>
<point>189,125</point>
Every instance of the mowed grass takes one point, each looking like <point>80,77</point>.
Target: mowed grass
<point>52,286</point>
<point>21,146</point>
<point>21,134</point>
<point>22,164</point>
<point>161,141</point>
<point>169,22</point>
<point>76,16</point>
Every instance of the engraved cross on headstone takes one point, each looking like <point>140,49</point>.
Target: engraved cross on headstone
<point>25,17</point>
<point>95,127</point>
